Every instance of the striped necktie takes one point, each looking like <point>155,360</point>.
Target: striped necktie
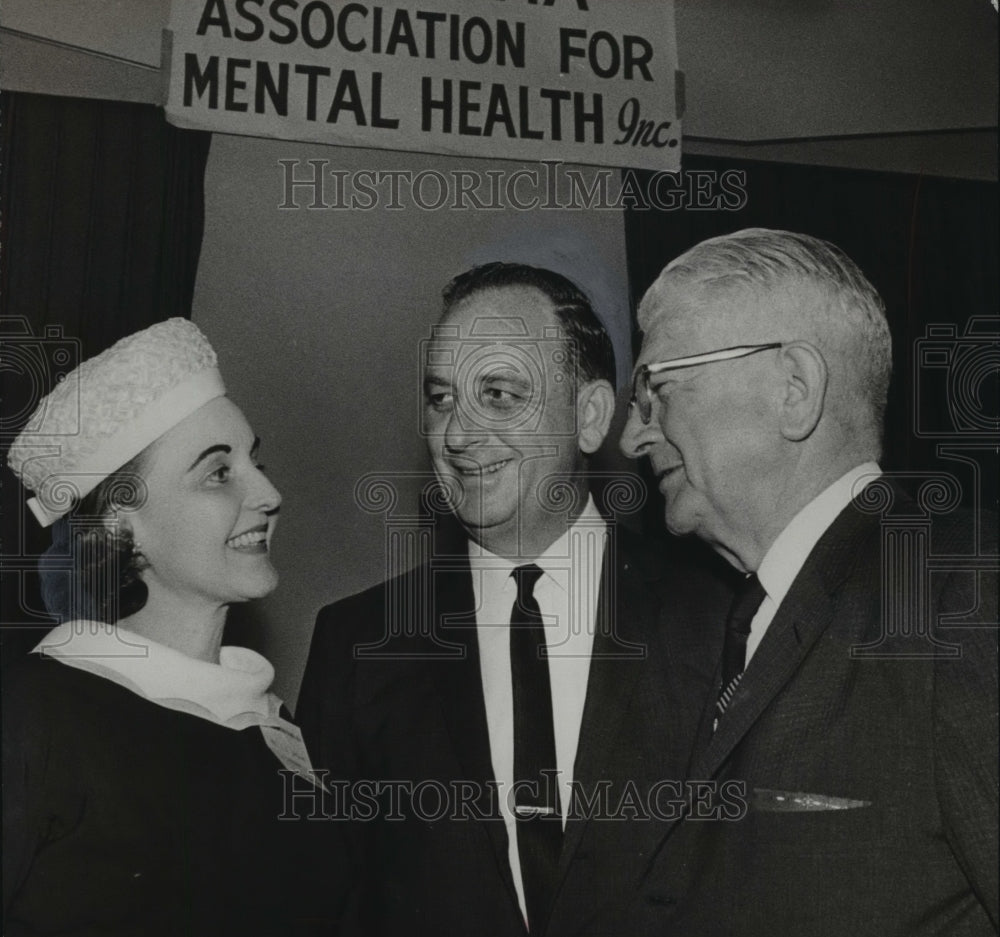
<point>734,651</point>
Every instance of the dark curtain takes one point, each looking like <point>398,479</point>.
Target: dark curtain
<point>102,207</point>
<point>930,247</point>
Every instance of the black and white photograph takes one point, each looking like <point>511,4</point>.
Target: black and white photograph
<point>499,469</point>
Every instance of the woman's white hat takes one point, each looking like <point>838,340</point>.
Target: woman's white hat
<point>106,411</point>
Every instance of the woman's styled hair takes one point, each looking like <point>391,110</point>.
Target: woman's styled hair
<point>92,570</point>
<point>107,411</point>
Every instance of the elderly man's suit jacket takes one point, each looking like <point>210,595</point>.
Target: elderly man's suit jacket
<point>413,711</point>
<point>868,758</point>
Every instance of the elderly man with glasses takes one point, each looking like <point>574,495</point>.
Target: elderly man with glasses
<point>855,696</point>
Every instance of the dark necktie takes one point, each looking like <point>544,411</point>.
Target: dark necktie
<point>539,821</point>
<point>734,651</point>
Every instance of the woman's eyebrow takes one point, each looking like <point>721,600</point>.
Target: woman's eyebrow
<point>217,448</point>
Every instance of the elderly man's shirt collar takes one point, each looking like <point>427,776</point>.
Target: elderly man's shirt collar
<point>787,555</point>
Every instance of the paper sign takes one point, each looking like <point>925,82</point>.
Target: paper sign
<point>582,81</point>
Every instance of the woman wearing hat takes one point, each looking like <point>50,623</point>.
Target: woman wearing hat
<point>145,765</point>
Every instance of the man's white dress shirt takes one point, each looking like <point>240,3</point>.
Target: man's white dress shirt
<point>567,593</point>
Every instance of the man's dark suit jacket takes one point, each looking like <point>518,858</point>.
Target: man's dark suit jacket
<point>910,739</point>
<point>402,714</point>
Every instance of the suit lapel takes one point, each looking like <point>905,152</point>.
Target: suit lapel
<point>694,672</point>
<point>790,637</point>
<point>626,620</point>
<point>802,618</point>
<point>461,687</point>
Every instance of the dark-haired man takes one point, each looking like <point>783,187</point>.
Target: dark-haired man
<point>523,680</point>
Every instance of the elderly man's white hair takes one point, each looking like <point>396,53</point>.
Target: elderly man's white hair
<point>809,290</point>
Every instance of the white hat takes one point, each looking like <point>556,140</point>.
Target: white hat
<point>106,411</point>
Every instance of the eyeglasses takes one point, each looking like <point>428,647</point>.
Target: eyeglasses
<point>642,393</point>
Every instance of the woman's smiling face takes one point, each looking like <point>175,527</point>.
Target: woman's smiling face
<point>206,524</point>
